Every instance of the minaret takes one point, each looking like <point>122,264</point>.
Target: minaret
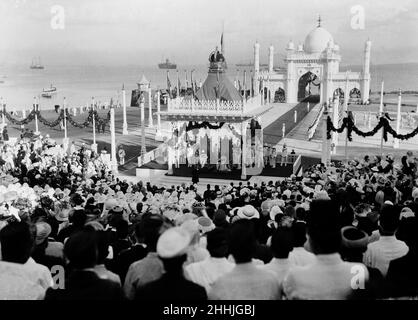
<point>271,58</point>
<point>256,67</point>
<point>366,71</point>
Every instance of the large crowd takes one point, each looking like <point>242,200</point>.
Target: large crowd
<point>70,229</point>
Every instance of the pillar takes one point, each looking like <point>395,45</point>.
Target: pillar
<point>244,150</point>
<point>325,157</point>
<point>113,160</point>
<point>271,58</point>
<point>125,121</point>
<point>296,116</point>
<point>283,130</point>
<point>366,72</point>
<point>335,119</point>
<point>94,144</point>
<point>74,111</point>
<point>150,124</point>
<point>398,120</point>
<point>256,67</point>
<point>143,148</point>
<point>158,113</point>
<point>65,141</point>
<point>35,105</point>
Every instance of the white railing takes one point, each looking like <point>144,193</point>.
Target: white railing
<point>181,105</point>
<point>312,128</point>
<point>296,164</point>
<point>152,155</point>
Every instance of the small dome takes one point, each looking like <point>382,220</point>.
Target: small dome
<point>317,40</point>
<point>291,45</point>
<point>300,47</point>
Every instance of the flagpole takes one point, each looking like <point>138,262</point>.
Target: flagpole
<point>381,115</point>
<point>245,85</point>
<point>346,114</point>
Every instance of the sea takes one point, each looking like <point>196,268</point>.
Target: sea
<point>78,84</point>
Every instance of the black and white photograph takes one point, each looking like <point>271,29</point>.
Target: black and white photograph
<point>175,155</point>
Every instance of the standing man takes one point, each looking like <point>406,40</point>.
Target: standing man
<point>284,155</point>
<point>121,156</point>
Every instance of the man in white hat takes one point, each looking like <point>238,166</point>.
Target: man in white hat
<point>172,250</point>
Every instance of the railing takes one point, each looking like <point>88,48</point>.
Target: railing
<point>181,105</point>
<point>296,164</point>
<point>314,125</point>
<point>152,155</point>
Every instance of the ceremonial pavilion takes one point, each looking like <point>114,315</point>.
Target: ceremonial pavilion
<point>217,130</point>
<point>312,68</point>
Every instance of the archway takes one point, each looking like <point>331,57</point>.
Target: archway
<point>355,96</point>
<point>308,85</point>
<point>280,95</point>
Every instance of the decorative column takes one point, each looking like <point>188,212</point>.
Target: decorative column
<point>283,130</point>
<point>35,106</point>
<point>142,106</point>
<point>150,124</point>
<point>271,58</point>
<point>113,160</point>
<point>158,135</point>
<point>244,150</point>
<point>65,141</point>
<point>398,120</point>
<point>93,123</point>
<point>307,106</point>
<point>296,116</point>
<point>335,120</point>
<point>325,157</point>
<point>256,67</point>
<point>125,122</point>
<point>74,111</point>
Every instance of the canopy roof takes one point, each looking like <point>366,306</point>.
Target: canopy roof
<point>216,80</point>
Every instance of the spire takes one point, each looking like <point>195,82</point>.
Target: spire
<point>319,21</point>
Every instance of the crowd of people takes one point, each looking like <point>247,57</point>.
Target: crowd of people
<point>70,229</point>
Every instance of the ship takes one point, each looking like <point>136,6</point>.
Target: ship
<point>250,65</point>
<point>48,92</point>
<point>37,65</point>
<point>167,65</point>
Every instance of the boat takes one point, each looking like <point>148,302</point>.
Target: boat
<point>46,95</point>
<point>37,65</point>
<point>51,89</point>
<point>167,65</point>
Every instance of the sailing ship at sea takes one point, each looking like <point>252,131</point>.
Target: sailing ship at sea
<point>36,65</point>
<point>167,65</point>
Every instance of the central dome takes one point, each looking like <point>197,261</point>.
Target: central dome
<point>317,40</point>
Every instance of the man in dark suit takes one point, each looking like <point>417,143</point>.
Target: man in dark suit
<point>81,250</point>
<point>172,250</point>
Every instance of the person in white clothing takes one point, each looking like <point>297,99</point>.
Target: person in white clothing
<point>328,277</point>
<point>206,272</point>
<point>380,253</point>
<point>299,256</point>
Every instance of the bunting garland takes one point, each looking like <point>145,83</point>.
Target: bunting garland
<point>196,125</point>
<point>56,122</point>
<point>348,124</point>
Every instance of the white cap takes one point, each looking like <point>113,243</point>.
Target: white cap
<point>173,243</point>
<point>274,211</point>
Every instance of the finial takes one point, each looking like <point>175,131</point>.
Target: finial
<point>123,86</point>
<point>319,21</point>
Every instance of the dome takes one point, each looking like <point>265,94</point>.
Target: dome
<point>317,40</point>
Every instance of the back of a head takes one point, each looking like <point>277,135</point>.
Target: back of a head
<point>324,227</point>
<point>17,241</point>
<point>150,229</point>
<point>282,243</point>
<point>389,219</point>
<point>299,234</point>
<point>79,218</point>
<point>242,241</point>
<point>81,249</point>
<point>103,243</point>
<point>217,243</point>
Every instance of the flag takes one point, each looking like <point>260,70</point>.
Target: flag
<point>168,84</point>
<point>187,82</point>
<point>239,86</point>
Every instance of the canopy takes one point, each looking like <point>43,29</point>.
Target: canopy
<point>227,91</point>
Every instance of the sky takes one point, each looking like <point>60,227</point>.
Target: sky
<point>143,32</point>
